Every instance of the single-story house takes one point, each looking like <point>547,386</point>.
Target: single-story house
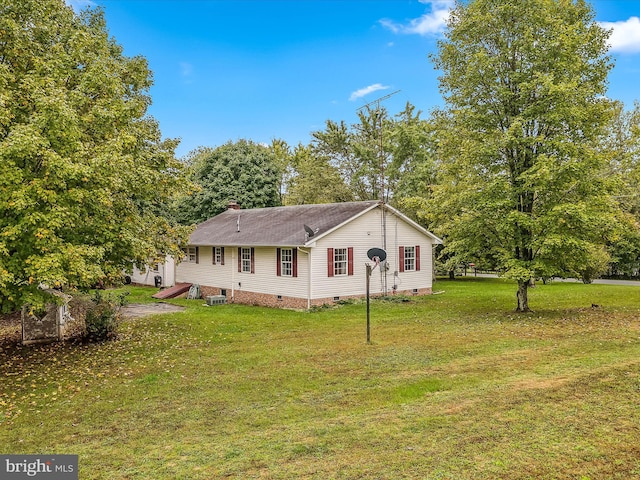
<point>305,255</point>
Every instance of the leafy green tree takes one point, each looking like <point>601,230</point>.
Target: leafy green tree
<point>283,162</point>
<point>522,174</point>
<point>244,171</point>
<point>361,152</point>
<point>381,156</point>
<point>412,171</point>
<point>622,141</point>
<point>84,169</point>
<point>315,180</point>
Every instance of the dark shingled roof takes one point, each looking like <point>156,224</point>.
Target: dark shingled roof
<point>275,226</point>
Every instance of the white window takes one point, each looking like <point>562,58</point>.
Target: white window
<point>218,255</point>
<point>409,259</point>
<point>191,255</point>
<point>246,260</point>
<point>286,262</point>
<point>340,261</point>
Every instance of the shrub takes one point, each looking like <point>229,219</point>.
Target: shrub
<point>393,298</point>
<point>101,314</point>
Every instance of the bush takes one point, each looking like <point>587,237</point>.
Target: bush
<point>101,314</point>
<point>393,298</point>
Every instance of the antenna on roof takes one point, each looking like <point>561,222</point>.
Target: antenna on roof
<point>378,118</point>
<point>238,222</point>
<point>381,160</point>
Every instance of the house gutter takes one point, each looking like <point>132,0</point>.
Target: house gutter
<point>308,253</point>
<point>233,276</point>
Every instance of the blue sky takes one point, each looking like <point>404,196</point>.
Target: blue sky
<point>259,70</point>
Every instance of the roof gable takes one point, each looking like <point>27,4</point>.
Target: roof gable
<point>276,226</point>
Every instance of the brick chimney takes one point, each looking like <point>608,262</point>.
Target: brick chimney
<point>233,205</point>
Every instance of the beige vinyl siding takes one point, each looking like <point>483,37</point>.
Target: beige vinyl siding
<point>264,280</point>
<point>147,276</point>
<point>407,236</point>
<point>204,272</point>
<point>363,233</point>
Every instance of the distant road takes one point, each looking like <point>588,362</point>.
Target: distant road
<point>602,281</point>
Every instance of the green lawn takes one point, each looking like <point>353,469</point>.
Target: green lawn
<point>453,386</point>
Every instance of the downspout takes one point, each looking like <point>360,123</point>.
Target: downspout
<point>233,276</point>
<point>308,253</point>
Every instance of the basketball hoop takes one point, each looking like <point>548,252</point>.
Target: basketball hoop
<point>376,255</point>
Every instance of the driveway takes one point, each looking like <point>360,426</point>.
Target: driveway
<point>137,310</point>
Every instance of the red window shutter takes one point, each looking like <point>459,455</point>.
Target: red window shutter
<point>350,260</point>
<point>239,259</point>
<point>253,261</point>
<point>330,262</point>
<point>221,255</point>
<point>295,262</point>
<point>197,254</point>
<point>278,263</point>
<point>417,258</point>
<point>401,259</point>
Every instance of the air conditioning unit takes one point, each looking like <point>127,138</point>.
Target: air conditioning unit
<point>216,300</point>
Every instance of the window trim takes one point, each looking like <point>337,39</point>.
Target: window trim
<point>332,262</point>
<point>409,259</point>
<point>402,258</point>
<point>340,262</point>
<point>286,262</point>
<point>280,262</point>
<point>214,255</point>
<point>190,251</point>
<point>242,260</point>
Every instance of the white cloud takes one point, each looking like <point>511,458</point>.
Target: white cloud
<point>431,23</point>
<point>367,90</point>
<point>625,36</point>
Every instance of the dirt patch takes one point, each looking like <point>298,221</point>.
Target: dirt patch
<point>137,310</point>
<point>544,383</point>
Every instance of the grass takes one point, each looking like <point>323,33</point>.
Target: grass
<point>453,386</point>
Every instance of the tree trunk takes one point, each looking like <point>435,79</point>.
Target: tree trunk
<point>522,296</point>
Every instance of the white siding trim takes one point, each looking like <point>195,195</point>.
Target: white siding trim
<point>329,232</point>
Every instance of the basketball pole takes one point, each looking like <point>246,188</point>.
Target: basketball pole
<point>368,312</point>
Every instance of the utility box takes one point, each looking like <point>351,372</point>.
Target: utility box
<point>216,300</point>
